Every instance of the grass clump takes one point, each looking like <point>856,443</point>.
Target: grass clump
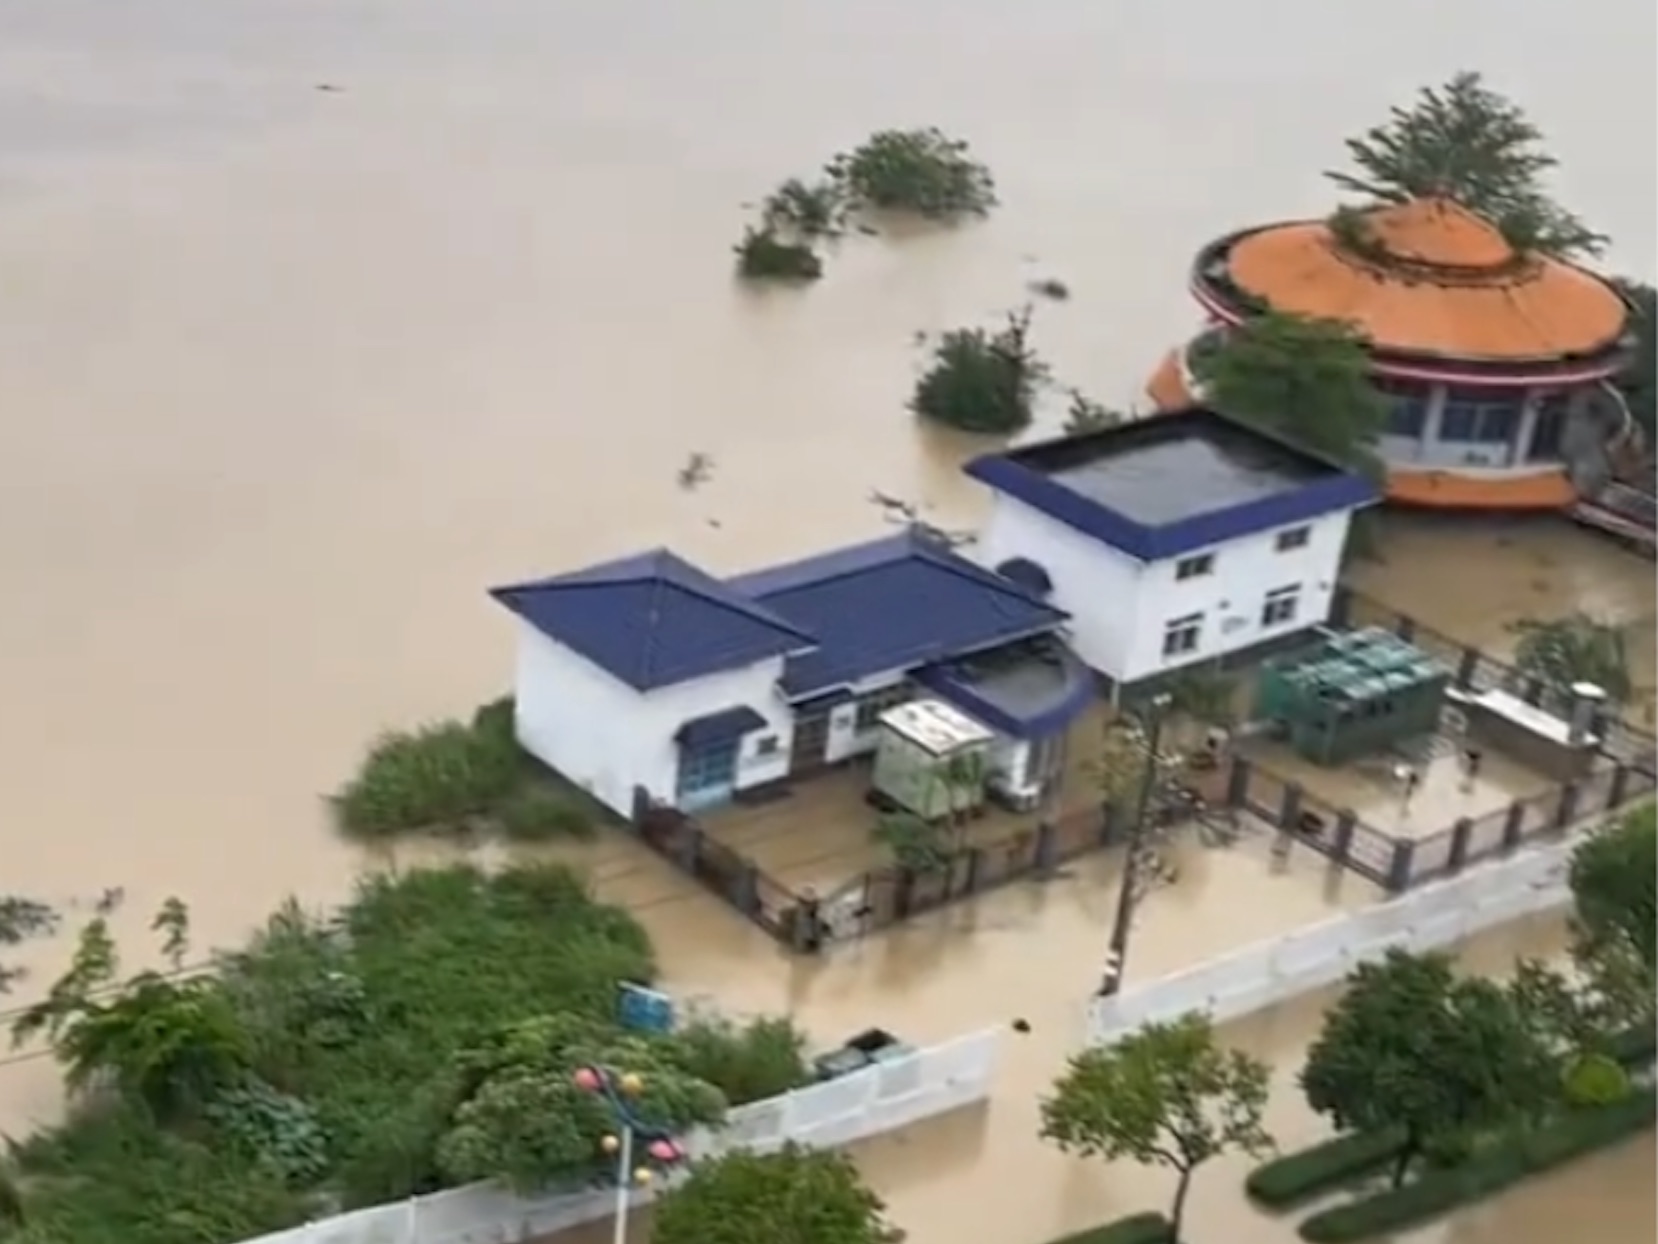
<point>437,777</point>
<point>1494,1167</point>
<point>981,381</point>
<point>535,814</point>
<point>1148,1228</point>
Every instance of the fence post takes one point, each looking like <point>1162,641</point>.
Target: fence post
<point>1045,846</point>
<point>747,896</point>
<point>1237,783</point>
<point>1289,807</point>
<point>1514,825</point>
<point>690,848</point>
<point>1466,667</point>
<point>1620,786</point>
<point>1460,833</point>
<point>1566,811</point>
<point>1347,823</point>
<point>1398,871</point>
<point>1341,606</point>
<point>1531,691</point>
<point>970,883</point>
<point>1404,626</point>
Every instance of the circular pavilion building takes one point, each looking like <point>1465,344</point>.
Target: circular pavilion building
<point>1494,363</point>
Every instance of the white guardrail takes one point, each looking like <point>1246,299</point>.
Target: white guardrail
<point>1266,973</point>
<point>882,1098</point>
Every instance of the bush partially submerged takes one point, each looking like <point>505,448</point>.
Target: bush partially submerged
<point>750,1062</point>
<point>1298,1177</point>
<point>764,255</point>
<point>439,776</point>
<point>923,172</point>
<point>535,814</point>
<point>1149,1228</point>
<point>981,381</point>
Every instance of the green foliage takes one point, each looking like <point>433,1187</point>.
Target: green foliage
<point>1614,880</point>
<point>1295,1178</point>
<point>439,776</point>
<point>272,1129</point>
<point>799,1195</point>
<point>923,172</point>
<point>1495,1167</point>
<point>806,212</point>
<point>1596,1080</point>
<point>765,255</point>
<point>920,845</point>
<point>1085,415</point>
<point>1135,1229</point>
<point>1166,1096</point>
<point>1639,381</point>
<point>1466,142</point>
<point>521,1120</point>
<point>20,919</point>
<point>1576,648</point>
<point>981,381</point>
<point>1306,380</point>
<point>1414,1048</point>
<point>762,1058</point>
<point>535,814</point>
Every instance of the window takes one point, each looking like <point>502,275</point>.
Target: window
<point>1281,604</point>
<point>1480,420</point>
<point>1181,635</point>
<point>1545,434</point>
<point>1457,421</point>
<point>1406,417</point>
<point>710,769</point>
<point>766,745</point>
<point>873,705</point>
<point>1294,538</point>
<point>1194,566</point>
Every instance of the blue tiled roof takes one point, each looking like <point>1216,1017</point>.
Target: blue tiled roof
<point>891,604</point>
<point>653,620</point>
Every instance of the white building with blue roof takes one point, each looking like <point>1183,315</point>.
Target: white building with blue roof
<point>1123,554</point>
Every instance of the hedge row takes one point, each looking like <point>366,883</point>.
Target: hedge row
<point>1135,1229</point>
<point>1504,1163</point>
<point>1296,1178</point>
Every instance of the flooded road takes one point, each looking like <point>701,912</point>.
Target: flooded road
<point>291,375</point>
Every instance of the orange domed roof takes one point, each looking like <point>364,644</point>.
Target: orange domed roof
<point>1430,278</point>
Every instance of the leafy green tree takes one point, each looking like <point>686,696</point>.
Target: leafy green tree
<point>1614,880</point>
<point>521,1119</point>
<point>1464,141</point>
<point>1639,381</point>
<point>169,1042</point>
<point>793,1196</point>
<point>1576,648</point>
<point>20,919</point>
<point>924,172</point>
<point>1413,1048</point>
<point>1306,380</point>
<point>981,381</point>
<point>1167,1095</point>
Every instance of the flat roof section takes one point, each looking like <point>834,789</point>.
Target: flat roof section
<point>1166,484</point>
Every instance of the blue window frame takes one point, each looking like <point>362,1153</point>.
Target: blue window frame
<point>707,774</point>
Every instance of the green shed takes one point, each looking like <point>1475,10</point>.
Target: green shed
<point>1355,693</point>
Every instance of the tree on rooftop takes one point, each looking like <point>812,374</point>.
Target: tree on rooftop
<point>1440,1059</point>
<point>1576,648</point>
<point>1304,379</point>
<point>1464,141</point>
<point>795,1195</point>
<point>1167,1095</point>
<point>981,381</point>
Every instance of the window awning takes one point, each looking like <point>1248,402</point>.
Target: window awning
<point>1027,574</point>
<point>721,727</point>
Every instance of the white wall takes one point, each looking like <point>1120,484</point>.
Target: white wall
<point>1119,606</point>
<point>605,736</point>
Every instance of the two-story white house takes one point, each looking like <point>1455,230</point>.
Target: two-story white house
<point>1171,540</point>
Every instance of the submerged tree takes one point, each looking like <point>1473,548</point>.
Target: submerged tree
<point>1085,415</point>
<point>924,172</point>
<point>1167,1095</point>
<point>981,381</point>
<point>1305,379</point>
<point>1464,141</point>
<point>21,919</point>
<point>1415,1049</point>
<point>1576,648</point>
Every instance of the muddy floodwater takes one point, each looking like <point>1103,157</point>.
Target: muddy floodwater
<point>291,374</point>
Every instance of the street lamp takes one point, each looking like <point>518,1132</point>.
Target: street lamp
<point>660,1146</point>
<point>1117,950</point>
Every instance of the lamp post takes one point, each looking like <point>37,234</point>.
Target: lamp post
<point>1117,950</point>
<point>617,1089</point>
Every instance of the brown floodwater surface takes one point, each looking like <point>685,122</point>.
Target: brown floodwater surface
<point>291,375</point>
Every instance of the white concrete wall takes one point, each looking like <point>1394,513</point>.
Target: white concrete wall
<point>1119,606</point>
<point>605,736</point>
<point>884,1098</point>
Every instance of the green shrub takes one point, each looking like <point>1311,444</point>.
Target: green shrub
<point>804,212</point>
<point>1634,1048</point>
<point>538,815</point>
<point>1148,1228</point>
<point>435,777</point>
<point>763,255</point>
<point>981,381</point>
<point>924,172</point>
<point>1596,1080</point>
<point>747,1062</point>
<point>1298,1177</point>
<point>1495,1167</point>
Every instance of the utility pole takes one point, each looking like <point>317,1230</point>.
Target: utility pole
<point>1117,950</point>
